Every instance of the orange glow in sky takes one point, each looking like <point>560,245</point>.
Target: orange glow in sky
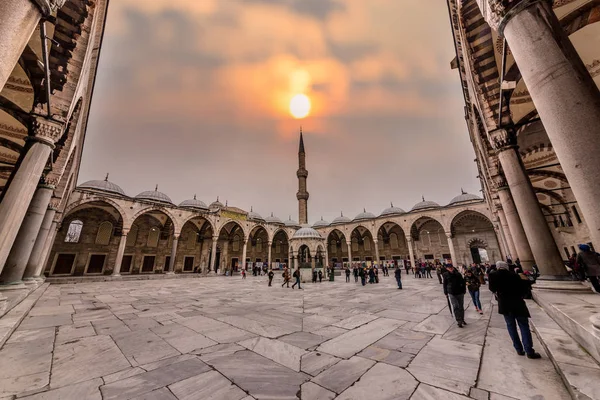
<point>300,106</point>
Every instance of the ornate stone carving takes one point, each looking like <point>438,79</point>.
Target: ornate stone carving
<point>500,181</point>
<point>497,13</point>
<point>46,130</point>
<point>49,6</point>
<point>502,139</point>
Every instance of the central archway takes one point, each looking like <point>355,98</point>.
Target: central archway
<point>363,245</point>
<point>338,249</point>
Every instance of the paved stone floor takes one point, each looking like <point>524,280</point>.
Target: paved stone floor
<point>228,338</point>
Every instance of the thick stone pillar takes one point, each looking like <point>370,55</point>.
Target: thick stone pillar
<point>411,252</point>
<point>120,253</point>
<point>349,245</point>
<point>17,197</point>
<point>452,250</point>
<point>171,267</point>
<point>35,262</point>
<point>515,227</point>
<point>213,255</point>
<point>512,250</point>
<point>501,242</point>
<point>269,243</point>
<point>15,265</point>
<point>47,250</point>
<point>244,250</point>
<point>564,94</point>
<point>376,251</point>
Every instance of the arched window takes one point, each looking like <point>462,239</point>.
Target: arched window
<point>104,233</point>
<point>74,231</point>
<point>132,236</point>
<point>258,244</point>
<point>236,243</point>
<point>333,247</point>
<point>153,237</point>
<point>277,248</point>
<point>192,239</point>
<point>354,244</point>
<point>367,244</point>
<point>344,246</point>
<point>394,241</point>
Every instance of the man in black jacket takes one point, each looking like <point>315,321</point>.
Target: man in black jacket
<point>510,290</point>
<point>455,289</point>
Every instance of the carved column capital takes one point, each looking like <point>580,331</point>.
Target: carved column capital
<point>503,139</point>
<point>497,13</point>
<point>47,7</point>
<point>46,131</point>
<point>500,182</point>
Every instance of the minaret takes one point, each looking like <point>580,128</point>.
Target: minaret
<point>302,174</point>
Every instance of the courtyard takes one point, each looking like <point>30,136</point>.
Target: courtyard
<point>229,338</point>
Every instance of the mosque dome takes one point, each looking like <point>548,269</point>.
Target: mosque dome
<point>341,220</point>
<point>154,195</point>
<point>364,215</point>
<point>103,186</point>
<point>273,220</point>
<point>464,197</point>
<point>255,216</point>
<point>391,210</point>
<point>306,232</point>
<point>216,205</point>
<point>194,203</point>
<point>320,224</point>
<point>291,223</point>
<point>425,204</point>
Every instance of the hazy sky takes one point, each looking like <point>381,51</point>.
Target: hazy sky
<point>193,95</point>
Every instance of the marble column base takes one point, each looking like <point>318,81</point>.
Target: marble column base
<point>31,281</point>
<point>13,286</point>
<point>595,320</point>
<point>554,278</point>
<point>169,273</point>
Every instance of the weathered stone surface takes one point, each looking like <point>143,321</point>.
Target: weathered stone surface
<point>303,340</point>
<point>207,386</point>
<point>183,339</point>
<point>426,392</point>
<point>89,390</point>
<point>143,346</point>
<point>314,362</point>
<point>310,391</point>
<point>343,374</point>
<point>275,350</point>
<point>382,382</point>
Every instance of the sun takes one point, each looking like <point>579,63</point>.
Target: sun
<point>300,106</point>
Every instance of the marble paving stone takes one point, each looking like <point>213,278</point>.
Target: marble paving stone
<point>67,333</point>
<point>583,379</point>
<point>496,396</point>
<point>404,340</point>
<point>124,374</point>
<point>142,347</point>
<point>158,394</point>
<point>343,374</point>
<point>269,331</point>
<point>220,350</point>
<point>167,361</point>
<point>137,324</point>
<point>314,362</point>
<point>43,334</point>
<point>473,333</point>
<point>437,324</point>
<point>447,364</point>
<point>147,382</point>
<point>260,377</point>
<point>275,350</point>
<point>303,340</point>
<point>311,391</point>
<point>110,326</point>
<point>426,392</point>
<point>94,314</point>
<point>387,356</point>
<point>316,322</point>
<point>88,390</point>
<point>329,332</point>
<point>479,394</point>
<point>402,315</point>
<point>51,310</point>
<point>84,359</point>
<point>182,338</point>
<point>355,321</point>
<point>207,386</point>
<point>351,342</point>
<point>382,382</point>
<point>45,321</point>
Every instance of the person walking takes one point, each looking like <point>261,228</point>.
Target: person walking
<point>320,276</point>
<point>455,288</point>
<point>406,267</point>
<point>347,274</point>
<point>473,285</point>
<point>438,272</point>
<point>314,276</point>
<point>428,270</point>
<point>286,277</point>
<point>355,272</point>
<point>244,274</point>
<point>363,276</point>
<point>398,275</point>
<point>510,289</point>
<point>271,275</point>
<point>589,262</point>
<point>297,276</point>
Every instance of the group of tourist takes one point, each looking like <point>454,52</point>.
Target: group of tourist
<point>586,265</point>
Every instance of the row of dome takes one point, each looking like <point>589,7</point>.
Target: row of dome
<point>156,196</point>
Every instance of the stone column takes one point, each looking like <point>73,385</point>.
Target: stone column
<point>515,227</point>
<point>349,245</point>
<point>120,252</point>
<point>269,243</point>
<point>512,250</point>
<point>35,262</point>
<point>244,249</point>
<point>39,275</point>
<point>213,255</point>
<point>17,197</point>
<point>564,94</point>
<point>13,271</point>
<point>452,251</point>
<point>291,259</point>
<point>171,267</point>
<point>501,242</point>
<point>411,253</point>
<point>376,251</point>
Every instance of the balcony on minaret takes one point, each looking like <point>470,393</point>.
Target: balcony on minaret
<point>302,195</point>
<point>302,173</point>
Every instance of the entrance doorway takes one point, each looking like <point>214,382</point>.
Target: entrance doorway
<point>188,264</point>
<point>64,264</point>
<point>148,263</point>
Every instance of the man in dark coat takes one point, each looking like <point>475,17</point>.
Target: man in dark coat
<point>398,275</point>
<point>455,289</point>
<point>510,290</point>
<point>589,262</point>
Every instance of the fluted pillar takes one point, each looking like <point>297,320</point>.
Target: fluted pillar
<point>565,96</point>
<point>291,259</point>
<point>120,253</point>
<point>376,251</point>
<point>452,250</point>
<point>270,243</point>
<point>501,241</point>
<point>512,250</point>
<point>171,267</point>
<point>47,250</point>
<point>244,250</point>
<point>213,255</point>
<point>18,196</point>
<point>349,245</point>
<point>411,253</point>
<point>35,263</point>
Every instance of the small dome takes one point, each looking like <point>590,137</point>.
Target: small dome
<point>306,232</point>
<point>291,223</point>
<point>341,220</point>
<point>425,204</point>
<point>154,195</point>
<point>194,203</point>
<point>273,220</point>
<point>391,210</point>
<point>464,197</point>
<point>320,224</point>
<point>255,216</point>
<point>364,215</point>
<point>216,205</point>
<point>103,186</point>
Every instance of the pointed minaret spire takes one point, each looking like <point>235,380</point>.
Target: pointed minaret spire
<point>301,149</point>
<point>423,197</point>
<point>226,203</point>
<point>156,188</point>
<point>462,191</point>
<point>391,204</point>
<point>194,197</point>
<point>364,210</point>
<point>302,174</point>
<point>106,179</point>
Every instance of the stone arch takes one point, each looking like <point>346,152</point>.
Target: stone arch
<point>391,238</point>
<point>244,227</point>
<point>195,216</point>
<point>175,221</point>
<point>454,219</point>
<point>280,242</point>
<point>363,243</point>
<point>97,199</point>
<point>477,241</point>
